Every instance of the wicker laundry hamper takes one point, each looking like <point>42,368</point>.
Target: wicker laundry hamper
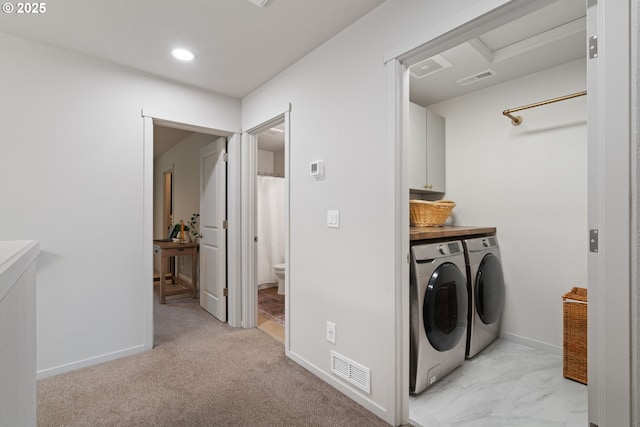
<point>424,213</point>
<point>574,352</point>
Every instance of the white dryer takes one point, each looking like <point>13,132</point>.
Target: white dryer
<point>486,291</point>
<point>438,304</point>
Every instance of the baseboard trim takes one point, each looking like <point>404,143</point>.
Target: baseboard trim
<point>49,372</point>
<point>341,386</point>
<point>550,348</point>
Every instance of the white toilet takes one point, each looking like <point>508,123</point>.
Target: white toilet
<point>278,270</point>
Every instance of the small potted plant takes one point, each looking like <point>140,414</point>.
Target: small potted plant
<point>192,227</point>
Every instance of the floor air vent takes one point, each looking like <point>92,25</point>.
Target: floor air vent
<point>351,371</point>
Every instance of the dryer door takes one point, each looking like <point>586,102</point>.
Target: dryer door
<point>489,289</point>
<point>445,307</point>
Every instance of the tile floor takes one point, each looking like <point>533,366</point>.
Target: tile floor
<point>271,313</point>
<point>271,305</point>
<point>507,384</point>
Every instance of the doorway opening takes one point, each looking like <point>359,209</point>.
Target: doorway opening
<point>176,148</point>
<point>270,227</point>
<point>177,187</point>
<point>266,257</point>
<point>484,145</point>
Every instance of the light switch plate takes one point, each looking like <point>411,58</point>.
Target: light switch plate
<point>331,332</point>
<point>333,219</point>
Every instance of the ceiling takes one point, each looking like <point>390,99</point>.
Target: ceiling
<point>238,45</point>
<point>551,36</point>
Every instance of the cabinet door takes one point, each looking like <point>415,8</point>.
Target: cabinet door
<point>426,151</point>
<point>435,180</point>
<point>417,150</point>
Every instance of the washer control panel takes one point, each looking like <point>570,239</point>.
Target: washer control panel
<point>488,242</point>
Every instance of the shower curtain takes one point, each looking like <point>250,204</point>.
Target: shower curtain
<point>270,214</point>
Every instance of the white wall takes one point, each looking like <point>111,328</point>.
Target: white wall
<point>271,162</point>
<point>72,163</point>
<point>265,161</point>
<point>278,163</point>
<point>530,181</point>
<point>338,97</point>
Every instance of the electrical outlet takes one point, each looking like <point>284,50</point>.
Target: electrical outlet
<point>331,332</point>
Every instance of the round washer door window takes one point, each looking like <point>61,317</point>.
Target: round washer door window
<point>445,307</point>
<point>489,289</point>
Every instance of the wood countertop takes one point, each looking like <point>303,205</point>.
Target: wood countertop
<point>448,231</point>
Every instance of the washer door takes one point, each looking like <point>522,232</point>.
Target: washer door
<point>489,289</point>
<point>445,306</point>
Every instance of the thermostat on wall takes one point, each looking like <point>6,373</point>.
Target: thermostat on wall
<point>317,168</point>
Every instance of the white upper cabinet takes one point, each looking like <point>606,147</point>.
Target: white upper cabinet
<point>426,150</point>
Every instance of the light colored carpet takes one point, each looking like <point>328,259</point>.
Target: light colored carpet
<point>201,373</point>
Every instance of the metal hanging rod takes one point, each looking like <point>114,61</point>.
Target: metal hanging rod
<point>516,120</point>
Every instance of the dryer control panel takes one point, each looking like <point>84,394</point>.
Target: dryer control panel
<point>481,243</point>
<point>436,250</point>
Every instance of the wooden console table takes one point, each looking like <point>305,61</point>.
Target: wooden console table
<point>171,249</point>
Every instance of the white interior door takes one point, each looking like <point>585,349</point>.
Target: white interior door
<point>213,250</point>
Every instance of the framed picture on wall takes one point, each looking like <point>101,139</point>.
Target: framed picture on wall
<point>174,231</point>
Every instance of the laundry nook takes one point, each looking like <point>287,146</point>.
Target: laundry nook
<point>488,154</point>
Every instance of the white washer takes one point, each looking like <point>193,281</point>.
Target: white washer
<point>486,291</point>
<point>438,321</point>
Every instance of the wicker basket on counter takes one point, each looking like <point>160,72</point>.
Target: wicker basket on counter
<point>574,351</point>
<point>424,213</point>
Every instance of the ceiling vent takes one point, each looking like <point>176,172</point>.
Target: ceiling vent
<point>476,77</point>
<point>429,66</point>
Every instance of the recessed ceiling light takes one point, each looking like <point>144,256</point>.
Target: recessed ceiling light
<point>183,54</point>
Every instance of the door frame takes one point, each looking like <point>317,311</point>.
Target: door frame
<point>149,118</point>
<point>607,370</point>
<point>167,217</point>
<point>610,212</point>
<point>249,168</point>
<point>167,212</point>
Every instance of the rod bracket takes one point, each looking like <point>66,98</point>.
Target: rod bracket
<point>515,120</point>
